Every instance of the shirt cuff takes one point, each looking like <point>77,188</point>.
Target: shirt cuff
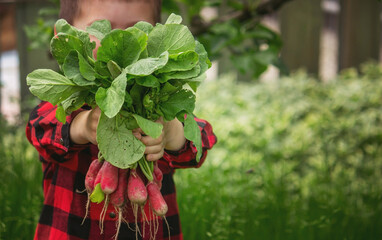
<point>186,147</point>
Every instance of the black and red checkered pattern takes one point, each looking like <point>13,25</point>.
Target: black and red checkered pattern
<point>65,165</point>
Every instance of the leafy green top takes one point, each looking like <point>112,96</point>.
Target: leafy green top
<point>140,74</point>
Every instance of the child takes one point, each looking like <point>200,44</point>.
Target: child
<point>66,150</point>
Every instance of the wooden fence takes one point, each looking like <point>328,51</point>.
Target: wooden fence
<point>354,24</point>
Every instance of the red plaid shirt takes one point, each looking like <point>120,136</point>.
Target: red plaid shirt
<point>65,165</point>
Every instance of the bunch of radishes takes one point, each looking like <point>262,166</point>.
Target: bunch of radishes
<point>111,185</point>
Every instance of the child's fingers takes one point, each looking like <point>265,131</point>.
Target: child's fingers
<point>138,133</point>
<point>153,149</point>
<point>160,120</point>
<point>156,156</point>
<point>149,141</point>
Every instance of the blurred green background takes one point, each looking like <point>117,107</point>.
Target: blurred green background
<point>299,152</point>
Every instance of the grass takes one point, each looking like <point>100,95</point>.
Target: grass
<point>295,160</point>
<point>21,192</point>
<point>239,204</point>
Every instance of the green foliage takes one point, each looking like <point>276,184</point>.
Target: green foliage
<point>41,32</point>
<point>51,86</point>
<point>252,47</point>
<point>295,159</point>
<point>117,142</point>
<point>237,30</point>
<point>21,191</point>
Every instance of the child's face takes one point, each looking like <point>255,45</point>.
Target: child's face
<point>121,14</point>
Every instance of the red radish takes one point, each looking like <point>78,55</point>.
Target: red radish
<point>109,179</point>
<point>118,197</point>
<point>99,175</point>
<point>159,183</point>
<point>158,175</point>
<point>92,174</point>
<point>136,190</point>
<point>157,202</point>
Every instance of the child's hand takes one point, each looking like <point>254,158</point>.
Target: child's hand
<point>174,135</point>
<point>172,138</point>
<point>83,128</point>
<point>154,146</point>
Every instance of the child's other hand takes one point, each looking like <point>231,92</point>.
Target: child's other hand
<point>174,135</point>
<point>83,128</point>
<point>172,138</point>
<point>154,146</point>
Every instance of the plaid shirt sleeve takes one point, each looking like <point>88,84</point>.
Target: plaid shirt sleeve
<point>49,136</point>
<point>186,157</point>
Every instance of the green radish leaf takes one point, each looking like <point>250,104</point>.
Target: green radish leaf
<point>194,72</point>
<point>137,92</point>
<point>144,26</point>
<point>50,86</point>
<point>173,38</point>
<point>147,66</point>
<point>71,69</point>
<point>180,62</point>
<point>153,129</point>
<point>204,62</point>
<point>99,29</point>
<point>102,69</point>
<point>192,133</point>
<point>168,89</point>
<point>114,69</point>
<point>117,144</point>
<point>148,81</point>
<point>181,116</point>
<point>128,100</point>
<point>193,85</point>
<point>110,100</point>
<point>120,46</point>
<point>195,82</point>
<point>62,44</point>
<point>64,27</point>
<point>86,70</point>
<point>97,195</point>
<point>129,120</point>
<point>74,102</point>
<point>60,113</point>
<point>173,18</point>
<point>140,35</point>
<point>182,100</point>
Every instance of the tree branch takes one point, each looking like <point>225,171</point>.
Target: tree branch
<point>199,26</point>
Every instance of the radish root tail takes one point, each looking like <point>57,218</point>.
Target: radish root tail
<point>118,223</point>
<point>168,227</point>
<point>87,209</point>
<point>103,213</point>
